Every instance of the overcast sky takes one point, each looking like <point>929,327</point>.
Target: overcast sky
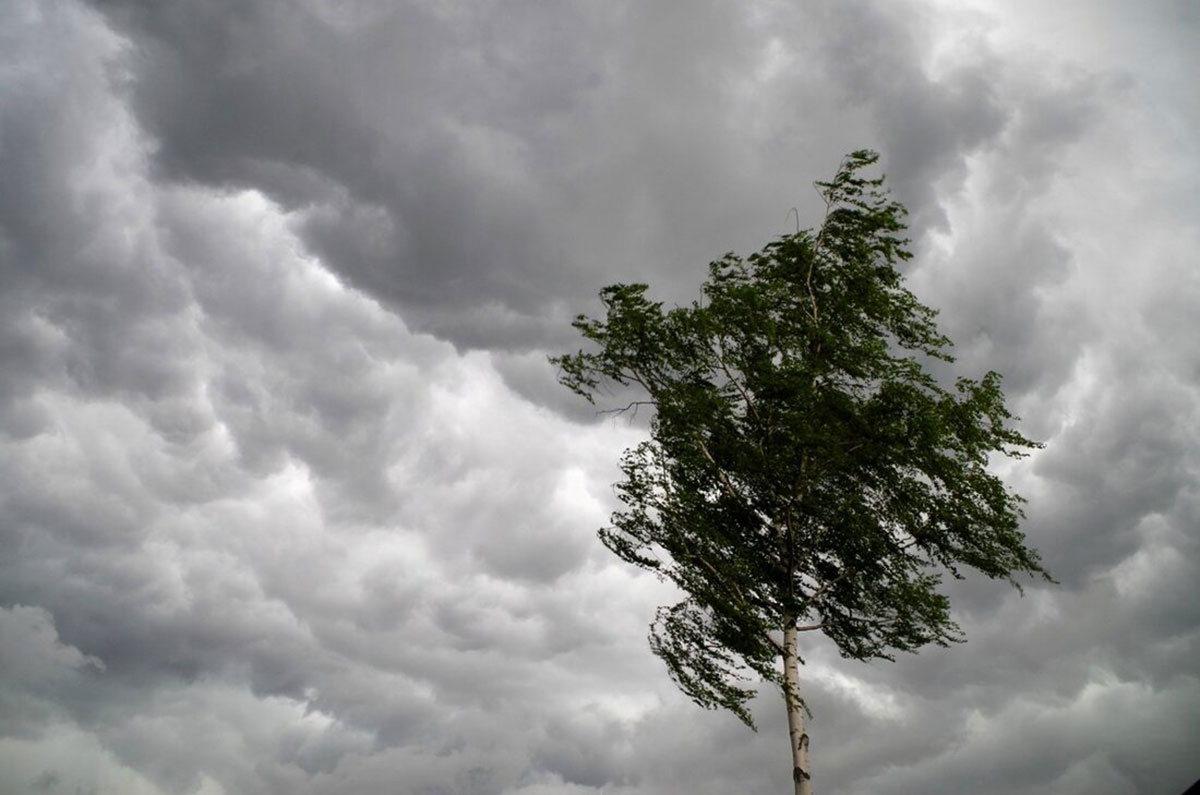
<point>290,502</point>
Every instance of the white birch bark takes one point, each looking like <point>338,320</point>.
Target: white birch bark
<point>801,772</point>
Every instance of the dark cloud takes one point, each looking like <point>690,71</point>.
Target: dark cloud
<point>474,170</point>
<point>407,142</point>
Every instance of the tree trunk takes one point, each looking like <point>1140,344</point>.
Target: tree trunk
<point>801,772</point>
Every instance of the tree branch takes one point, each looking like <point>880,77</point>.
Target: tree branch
<point>733,491</point>
<point>812,297</point>
<point>633,404</point>
<point>720,356</point>
<point>846,572</point>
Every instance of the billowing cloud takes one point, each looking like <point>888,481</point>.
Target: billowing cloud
<point>290,501</point>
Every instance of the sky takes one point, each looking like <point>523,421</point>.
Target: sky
<point>291,502</point>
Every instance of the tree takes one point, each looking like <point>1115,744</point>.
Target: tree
<point>805,471</point>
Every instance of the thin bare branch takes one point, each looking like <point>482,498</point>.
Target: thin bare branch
<point>633,404</point>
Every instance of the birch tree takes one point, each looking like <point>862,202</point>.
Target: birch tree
<point>805,472</point>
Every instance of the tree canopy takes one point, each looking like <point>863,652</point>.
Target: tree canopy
<point>805,470</point>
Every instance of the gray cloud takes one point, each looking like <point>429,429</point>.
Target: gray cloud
<point>470,169</point>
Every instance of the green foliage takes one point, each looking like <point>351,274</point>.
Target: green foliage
<point>803,468</point>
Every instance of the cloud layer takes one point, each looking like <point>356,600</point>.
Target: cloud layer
<point>290,500</point>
